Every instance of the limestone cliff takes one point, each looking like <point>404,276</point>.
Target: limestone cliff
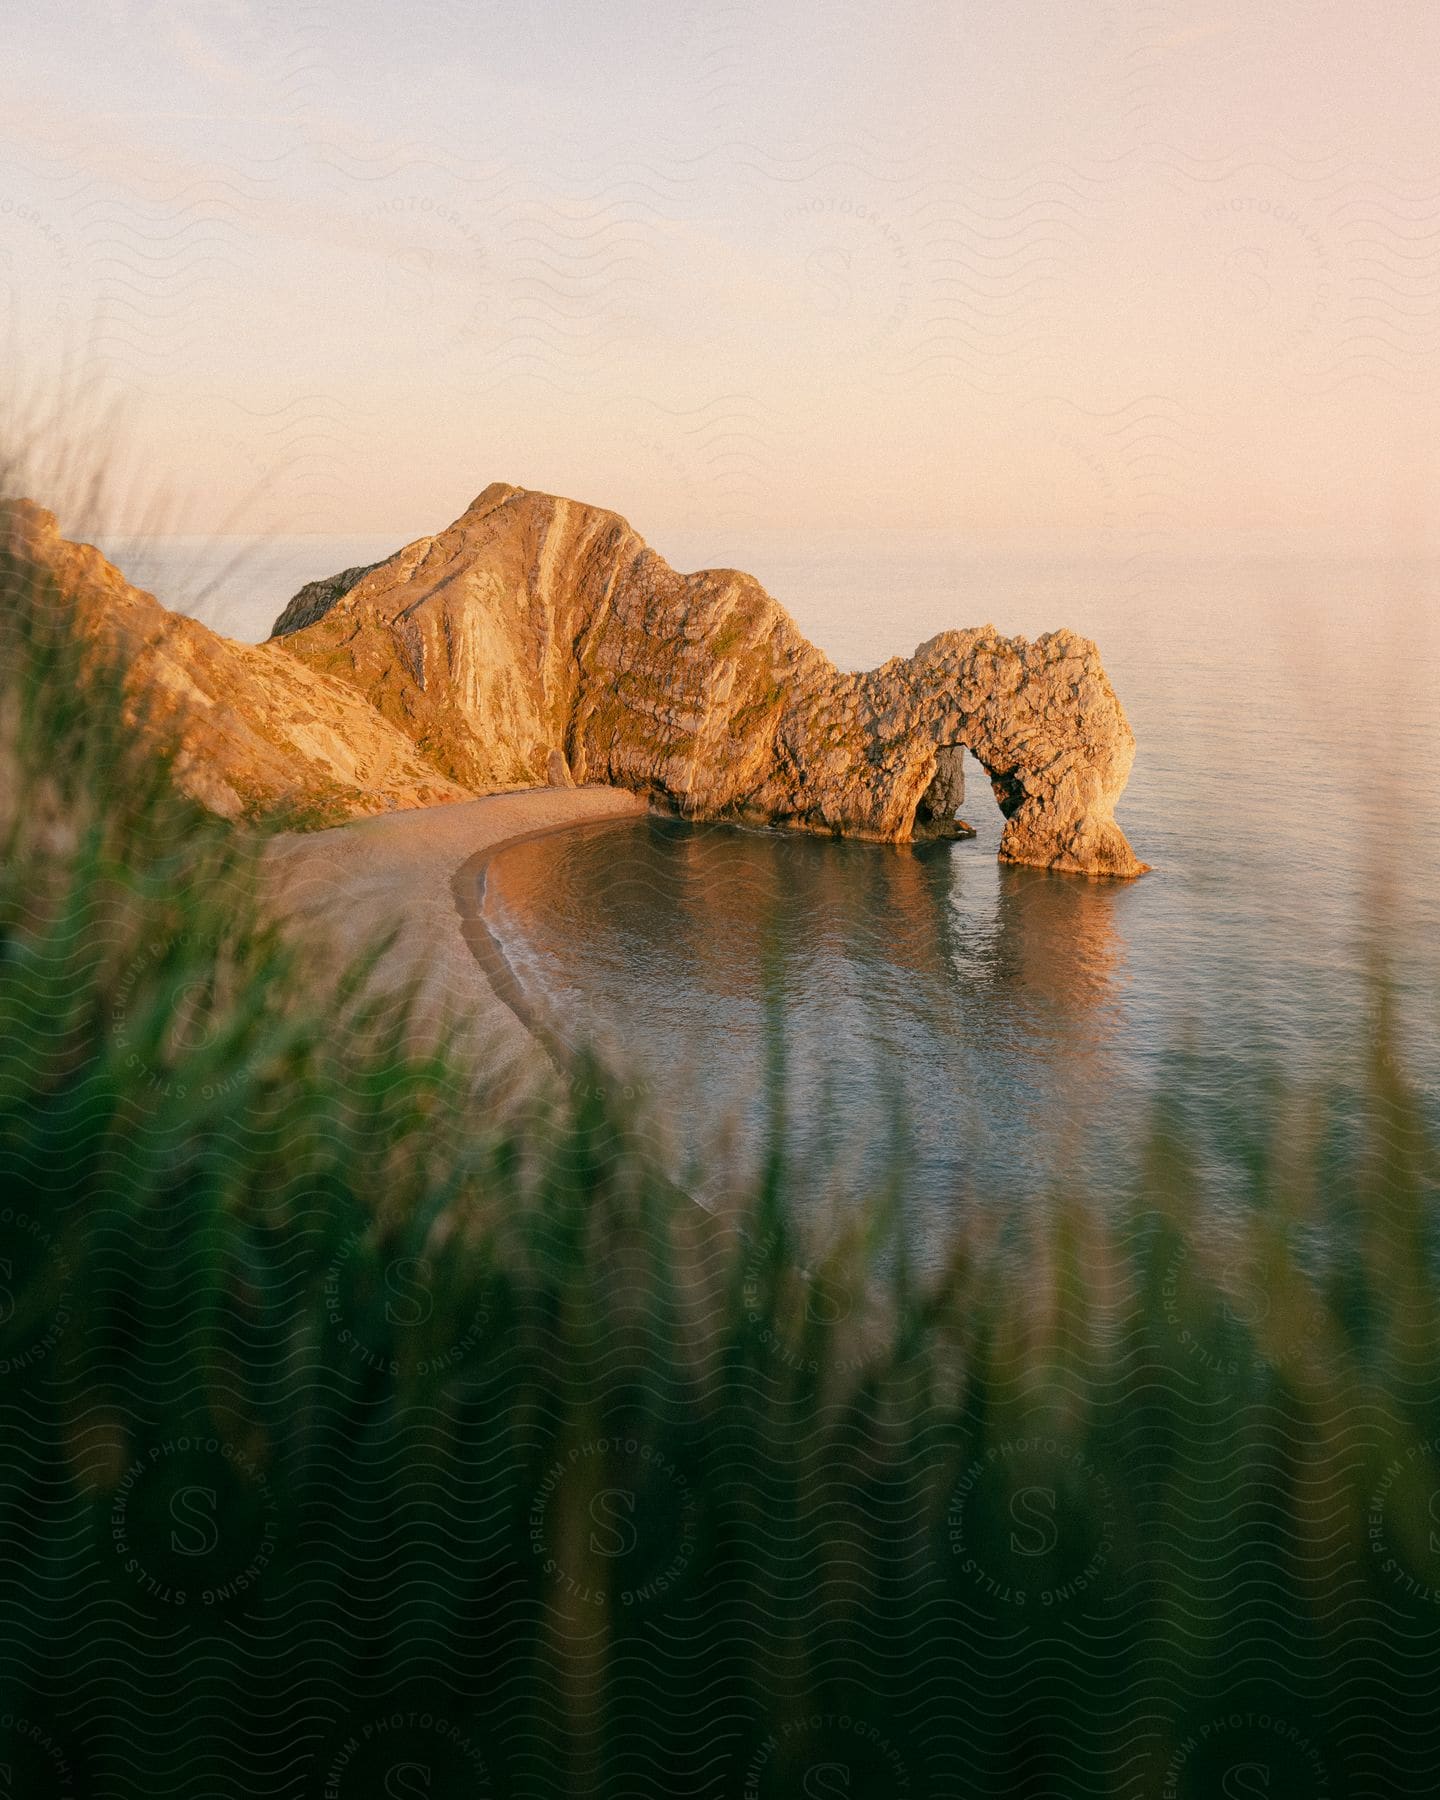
<point>537,640</point>
<point>257,731</point>
<point>535,629</point>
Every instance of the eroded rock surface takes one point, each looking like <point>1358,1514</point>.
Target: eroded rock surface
<point>257,731</point>
<point>535,626</point>
<point>537,641</point>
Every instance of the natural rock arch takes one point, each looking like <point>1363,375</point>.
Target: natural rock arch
<point>535,624</point>
<point>536,640</point>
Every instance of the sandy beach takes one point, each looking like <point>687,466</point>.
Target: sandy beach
<point>414,873</point>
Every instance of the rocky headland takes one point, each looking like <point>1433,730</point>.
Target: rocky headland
<point>538,641</point>
<point>255,732</point>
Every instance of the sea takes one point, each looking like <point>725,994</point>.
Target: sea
<point>920,1015</point>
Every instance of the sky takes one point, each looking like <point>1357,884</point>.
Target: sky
<point>1019,265</point>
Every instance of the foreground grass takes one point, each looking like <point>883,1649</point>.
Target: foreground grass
<point>358,1441</point>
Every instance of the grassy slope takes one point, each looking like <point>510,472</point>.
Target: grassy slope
<point>353,1440</point>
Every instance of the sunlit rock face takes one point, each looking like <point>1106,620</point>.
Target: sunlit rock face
<point>536,628</point>
<point>256,732</point>
<point>539,641</point>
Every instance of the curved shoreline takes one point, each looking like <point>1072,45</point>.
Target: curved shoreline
<point>469,887</point>
<point>409,876</point>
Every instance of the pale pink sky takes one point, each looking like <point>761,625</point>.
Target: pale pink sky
<point>1051,263</point>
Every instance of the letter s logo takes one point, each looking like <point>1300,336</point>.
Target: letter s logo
<point>613,1510</point>
<point>1033,1508</point>
<point>194,1508</point>
<point>1248,270</point>
<point>824,1306</point>
<point>1247,1304</point>
<point>410,280</point>
<point>404,1780</point>
<point>829,273</point>
<point>1246,1781</point>
<point>411,1305</point>
<point>826,1781</point>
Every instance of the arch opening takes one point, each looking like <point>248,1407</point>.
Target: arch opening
<point>938,814</point>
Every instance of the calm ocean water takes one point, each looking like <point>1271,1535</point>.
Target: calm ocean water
<point>1288,715</point>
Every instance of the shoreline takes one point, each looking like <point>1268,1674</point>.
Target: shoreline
<point>411,876</point>
<point>470,887</point>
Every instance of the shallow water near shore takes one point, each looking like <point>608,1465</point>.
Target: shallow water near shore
<point>1013,1023</point>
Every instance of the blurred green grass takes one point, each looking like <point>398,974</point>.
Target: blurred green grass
<point>363,1437</point>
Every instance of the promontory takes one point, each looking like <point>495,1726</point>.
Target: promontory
<point>541,641</point>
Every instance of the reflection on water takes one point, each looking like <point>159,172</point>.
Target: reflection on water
<point>925,985</point>
<point>1284,700</point>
